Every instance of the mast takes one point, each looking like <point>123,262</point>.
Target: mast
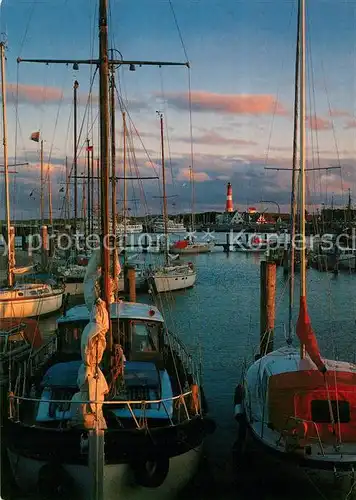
<point>104,153</point>
<point>125,185</point>
<point>75,159</point>
<point>88,184</point>
<point>302,160</point>
<point>294,184</point>
<point>50,197</point>
<point>165,218</point>
<point>42,193</point>
<point>113,151</point>
<point>67,214</point>
<point>91,216</point>
<point>192,197</point>
<point>10,275</point>
<point>98,197</point>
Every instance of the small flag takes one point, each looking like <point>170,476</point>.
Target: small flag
<point>35,136</point>
<point>89,148</point>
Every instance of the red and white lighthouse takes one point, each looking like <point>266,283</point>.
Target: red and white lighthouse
<point>229,204</point>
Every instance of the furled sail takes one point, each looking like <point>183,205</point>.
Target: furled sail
<point>307,336</point>
<point>91,381</point>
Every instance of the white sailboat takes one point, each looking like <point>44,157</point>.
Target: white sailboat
<point>21,300</point>
<point>295,406</point>
<point>169,278</point>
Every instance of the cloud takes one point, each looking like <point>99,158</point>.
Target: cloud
<point>184,175</point>
<point>350,124</point>
<point>243,104</point>
<point>338,113</point>
<point>34,94</point>
<point>316,123</point>
<point>214,139</point>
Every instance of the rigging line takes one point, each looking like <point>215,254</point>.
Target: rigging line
<point>191,147</point>
<point>178,30</point>
<point>27,25</point>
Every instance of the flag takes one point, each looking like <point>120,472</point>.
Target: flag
<point>35,136</point>
<point>307,337</point>
<point>89,148</point>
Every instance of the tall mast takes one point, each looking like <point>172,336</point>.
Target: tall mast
<point>113,150</point>
<point>67,214</point>
<point>6,165</point>
<point>75,159</point>
<point>41,187</point>
<point>192,200</point>
<point>294,184</point>
<point>91,216</point>
<point>88,185</point>
<point>165,217</point>
<point>302,157</point>
<point>50,196</point>
<point>104,151</point>
<point>125,184</point>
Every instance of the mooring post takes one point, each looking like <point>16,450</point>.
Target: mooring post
<point>131,278</point>
<point>267,305</point>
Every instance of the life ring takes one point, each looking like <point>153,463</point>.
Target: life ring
<point>54,481</point>
<point>151,472</point>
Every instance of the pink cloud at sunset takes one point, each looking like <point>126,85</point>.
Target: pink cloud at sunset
<point>316,123</point>
<point>33,93</point>
<point>243,104</point>
<point>184,175</point>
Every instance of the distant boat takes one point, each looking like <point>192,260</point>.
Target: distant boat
<point>188,247</point>
<point>131,228</point>
<point>172,227</point>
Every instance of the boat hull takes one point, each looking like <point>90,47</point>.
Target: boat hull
<point>274,465</point>
<point>191,249</point>
<point>166,283</point>
<point>31,306</point>
<point>118,480</point>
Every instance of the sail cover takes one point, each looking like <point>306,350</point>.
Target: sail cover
<point>307,336</point>
<point>91,381</point>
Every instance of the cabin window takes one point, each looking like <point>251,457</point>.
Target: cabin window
<point>144,337</point>
<point>320,410</point>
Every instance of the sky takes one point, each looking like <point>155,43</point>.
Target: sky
<point>236,101</point>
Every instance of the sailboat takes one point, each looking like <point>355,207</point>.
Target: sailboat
<point>28,299</point>
<point>118,410</point>
<point>189,245</point>
<point>294,405</point>
<point>169,277</point>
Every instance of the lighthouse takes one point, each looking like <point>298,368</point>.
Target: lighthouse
<point>229,204</point>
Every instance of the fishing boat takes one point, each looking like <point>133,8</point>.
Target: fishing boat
<point>119,409</point>
<point>169,277</point>
<point>189,247</point>
<point>295,406</point>
<point>30,299</point>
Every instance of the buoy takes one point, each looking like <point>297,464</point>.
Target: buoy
<point>151,472</point>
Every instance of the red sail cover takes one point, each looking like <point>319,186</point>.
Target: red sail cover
<point>181,244</point>
<point>306,335</point>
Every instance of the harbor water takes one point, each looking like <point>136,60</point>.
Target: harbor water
<point>219,320</point>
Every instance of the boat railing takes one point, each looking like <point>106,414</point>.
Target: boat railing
<point>41,355</point>
<point>184,402</point>
<point>177,346</point>
<point>299,420</point>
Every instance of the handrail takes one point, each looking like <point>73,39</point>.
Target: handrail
<point>299,419</point>
<point>114,401</point>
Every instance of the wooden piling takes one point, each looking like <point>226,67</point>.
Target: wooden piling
<point>267,306</point>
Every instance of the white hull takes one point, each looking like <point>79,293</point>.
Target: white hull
<point>192,249</point>
<point>169,283</point>
<point>31,307</point>
<point>118,478</point>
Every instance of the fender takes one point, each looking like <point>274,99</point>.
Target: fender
<point>151,471</point>
<point>54,481</point>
